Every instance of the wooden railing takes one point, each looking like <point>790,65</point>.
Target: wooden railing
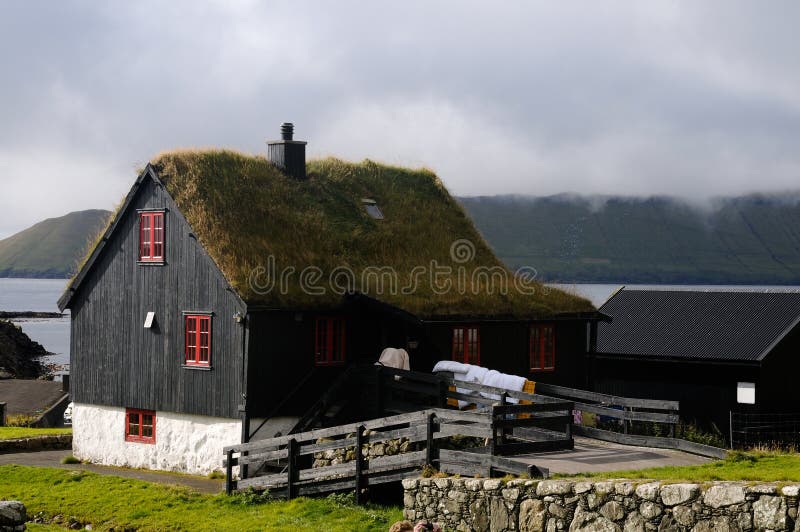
<point>423,428</point>
<point>624,409</point>
<point>544,424</point>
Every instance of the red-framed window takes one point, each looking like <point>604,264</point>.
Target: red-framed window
<point>330,341</point>
<point>543,347</point>
<point>151,236</point>
<point>467,345</point>
<point>140,425</point>
<point>198,340</point>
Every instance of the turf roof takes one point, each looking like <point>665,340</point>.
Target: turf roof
<point>243,210</point>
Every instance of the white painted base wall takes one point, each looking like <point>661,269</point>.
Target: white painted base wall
<point>185,443</point>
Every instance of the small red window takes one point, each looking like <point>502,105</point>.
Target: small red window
<point>140,425</point>
<point>330,342</point>
<point>543,347</point>
<point>467,345</point>
<point>151,236</point>
<point>198,341</point>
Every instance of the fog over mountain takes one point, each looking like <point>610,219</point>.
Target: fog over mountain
<point>753,239</point>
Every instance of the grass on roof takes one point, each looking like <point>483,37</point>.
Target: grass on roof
<point>244,210</point>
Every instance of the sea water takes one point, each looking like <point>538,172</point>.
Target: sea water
<point>39,295</point>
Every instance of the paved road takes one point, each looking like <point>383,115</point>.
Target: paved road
<point>53,459</point>
<point>595,456</point>
<point>589,456</point>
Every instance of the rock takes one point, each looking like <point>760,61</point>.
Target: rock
<point>674,494</point>
<point>442,483</point>
<point>603,488</point>
<point>745,521</point>
<point>581,487</point>
<point>498,515</point>
<point>593,500</point>
<point>649,510</point>
<point>378,449</point>
<point>791,491</point>
<point>554,487</point>
<point>12,513</point>
<point>492,484</point>
<point>648,491</point>
<point>408,500</point>
<point>480,518</point>
<point>591,522</point>
<point>624,488</point>
<point>531,516</point>
<point>720,495</point>
<point>683,515</point>
<point>473,484</point>
<point>634,523</point>
<point>510,494</point>
<point>668,524</point>
<point>612,511</point>
<point>762,489</point>
<point>556,510</point>
<point>769,513</point>
<point>717,524</point>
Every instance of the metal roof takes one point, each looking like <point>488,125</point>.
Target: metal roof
<point>735,326</point>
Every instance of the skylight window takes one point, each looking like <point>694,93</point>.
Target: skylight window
<point>372,208</point>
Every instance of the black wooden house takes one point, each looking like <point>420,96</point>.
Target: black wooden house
<point>720,353</point>
<point>229,289</point>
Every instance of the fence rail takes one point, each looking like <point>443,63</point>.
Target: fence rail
<point>749,430</point>
<point>424,428</point>
<point>624,409</point>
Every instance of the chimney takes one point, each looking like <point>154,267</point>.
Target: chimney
<point>287,154</point>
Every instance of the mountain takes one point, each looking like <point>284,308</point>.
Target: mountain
<point>752,239</point>
<point>51,248</point>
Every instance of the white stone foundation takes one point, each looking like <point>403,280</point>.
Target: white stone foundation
<point>185,443</point>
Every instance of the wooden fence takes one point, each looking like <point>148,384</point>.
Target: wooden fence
<point>536,424</point>
<point>425,429</point>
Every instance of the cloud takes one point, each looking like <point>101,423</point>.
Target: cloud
<point>621,97</point>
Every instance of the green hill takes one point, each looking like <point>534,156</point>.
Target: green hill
<point>751,239</point>
<point>51,248</point>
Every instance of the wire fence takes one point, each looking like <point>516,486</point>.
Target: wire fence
<point>764,430</point>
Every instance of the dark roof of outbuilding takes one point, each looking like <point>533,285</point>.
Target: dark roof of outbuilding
<point>733,326</point>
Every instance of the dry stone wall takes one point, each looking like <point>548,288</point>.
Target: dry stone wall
<point>606,506</point>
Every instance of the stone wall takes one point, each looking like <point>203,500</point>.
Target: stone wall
<point>39,443</point>
<point>614,505</point>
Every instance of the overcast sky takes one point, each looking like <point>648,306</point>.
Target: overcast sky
<point>690,98</point>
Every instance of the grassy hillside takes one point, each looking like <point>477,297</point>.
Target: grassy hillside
<point>750,239</point>
<point>51,248</point>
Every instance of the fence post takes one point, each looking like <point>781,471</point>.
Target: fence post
<point>730,426</point>
<point>359,462</point>
<point>503,402</point>
<point>442,393</point>
<point>229,472</point>
<point>493,442</point>
<point>429,454</point>
<point>290,469</point>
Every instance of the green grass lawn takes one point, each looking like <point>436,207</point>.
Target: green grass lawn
<point>113,502</point>
<point>13,433</point>
<point>751,466</point>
